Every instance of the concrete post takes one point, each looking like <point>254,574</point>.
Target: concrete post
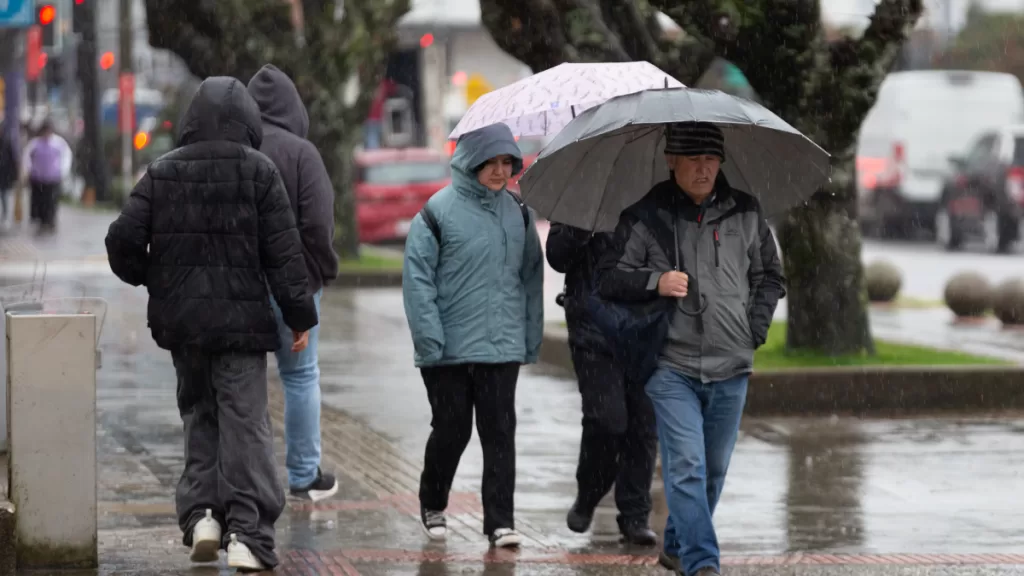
<point>52,446</point>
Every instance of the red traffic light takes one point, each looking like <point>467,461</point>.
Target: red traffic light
<point>46,14</point>
<point>426,40</point>
<point>107,60</point>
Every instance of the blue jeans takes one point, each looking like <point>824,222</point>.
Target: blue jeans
<point>697,429</point>
<point>300,376</point>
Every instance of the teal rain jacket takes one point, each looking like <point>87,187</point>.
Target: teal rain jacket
<point>478,297</point>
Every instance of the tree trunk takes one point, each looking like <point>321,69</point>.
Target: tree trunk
<point>826,300</point>
<point>342,171</point>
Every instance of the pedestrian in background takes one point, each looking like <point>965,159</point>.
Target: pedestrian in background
<point>311,194</point>
<point>695,226</point>
<point>472,284</point>
<point>46,162</point>
<point>9,164</point>
<point>619,440</point>
<point>207,229</point>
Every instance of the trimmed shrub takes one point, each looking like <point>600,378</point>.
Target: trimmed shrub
<point>883,280</point>
<point>968,294</point>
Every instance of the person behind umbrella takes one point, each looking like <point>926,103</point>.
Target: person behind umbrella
<point>209,231</point>
<point>285,123</point>
<point>619,443</point>
<point>472,284</point>
<point>723,299</point>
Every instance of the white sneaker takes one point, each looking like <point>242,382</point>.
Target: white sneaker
<point>434,524</point>
<point>506,538</point>
<point>239,556</point>
<point>205,539</point>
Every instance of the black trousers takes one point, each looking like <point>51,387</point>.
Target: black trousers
<point>454,391</point>
<point>43,203</point>
<point>620,438</point>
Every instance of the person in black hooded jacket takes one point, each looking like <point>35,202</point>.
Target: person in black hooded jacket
<point>619,440</point>
<point>285,123</point>
<point>207,229</point>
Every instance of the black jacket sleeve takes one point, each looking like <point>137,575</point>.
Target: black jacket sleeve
<point>566,247</point>
<point>281,256</point>
<point>128,237</point>
<point>622,270</point>
<point>316,212</point>
<point>770,286</point>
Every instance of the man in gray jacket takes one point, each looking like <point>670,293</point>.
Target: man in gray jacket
<point>705,250</point>
<point>285,123</point>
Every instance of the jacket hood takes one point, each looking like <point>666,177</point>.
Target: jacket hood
<point>279,100</point>
<point>222,110</point>
<point>475,148</point>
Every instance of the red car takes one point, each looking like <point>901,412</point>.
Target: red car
<point>392,185</point>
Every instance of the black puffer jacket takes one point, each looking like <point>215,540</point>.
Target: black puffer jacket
<point>285,124</point>
<point>208,228</point>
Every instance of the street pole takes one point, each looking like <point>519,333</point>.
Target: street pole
<point>92,154</point>
<point>127,100</point>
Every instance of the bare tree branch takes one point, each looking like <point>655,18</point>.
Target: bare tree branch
<point>632,26</point>
<point>539,43</point>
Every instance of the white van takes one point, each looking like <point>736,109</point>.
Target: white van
<point>920,119</point>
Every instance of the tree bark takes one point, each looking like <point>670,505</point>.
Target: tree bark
<point>336,59</point>
<point>823,89</point>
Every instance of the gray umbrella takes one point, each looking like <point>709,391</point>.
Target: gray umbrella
<point>610,156</point>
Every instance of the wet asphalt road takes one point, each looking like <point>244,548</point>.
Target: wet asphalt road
<point>838,486</point>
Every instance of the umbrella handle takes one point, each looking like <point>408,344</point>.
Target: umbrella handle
<point>700,310</point>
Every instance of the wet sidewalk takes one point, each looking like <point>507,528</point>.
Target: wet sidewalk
<point>809,497</point>
<point>816,496</point>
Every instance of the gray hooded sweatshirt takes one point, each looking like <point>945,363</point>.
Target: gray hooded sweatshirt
<point>285,125</point>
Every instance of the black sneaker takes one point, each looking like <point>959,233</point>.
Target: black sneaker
<point>637,534</point>
<point>323,487</point>
<point>578,520</point>
<point>434,524</point>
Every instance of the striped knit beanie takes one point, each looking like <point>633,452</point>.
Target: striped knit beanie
<point>694,139</point>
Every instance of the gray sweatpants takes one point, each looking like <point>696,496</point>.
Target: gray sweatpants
<point>229,448</point>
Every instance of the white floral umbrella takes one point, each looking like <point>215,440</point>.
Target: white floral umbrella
<point>543,104</point>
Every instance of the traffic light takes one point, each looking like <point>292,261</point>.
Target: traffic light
<point>46,18</point>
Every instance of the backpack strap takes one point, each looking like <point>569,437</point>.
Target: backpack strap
<point>435,228</point>
<point>431,222</point>
<point>522,208</point>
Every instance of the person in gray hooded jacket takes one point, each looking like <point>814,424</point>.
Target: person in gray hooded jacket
<point>285,123</point>
<point>704,249</point>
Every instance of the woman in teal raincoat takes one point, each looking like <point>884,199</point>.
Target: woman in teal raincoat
<point>472,284</point>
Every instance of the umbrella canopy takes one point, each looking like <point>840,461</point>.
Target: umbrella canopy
<point>609,157</point>
<point>544,103</point>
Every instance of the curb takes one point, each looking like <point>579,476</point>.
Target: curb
<point>363,279</point>
<point>8,553</point>
<point>859,391</point>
